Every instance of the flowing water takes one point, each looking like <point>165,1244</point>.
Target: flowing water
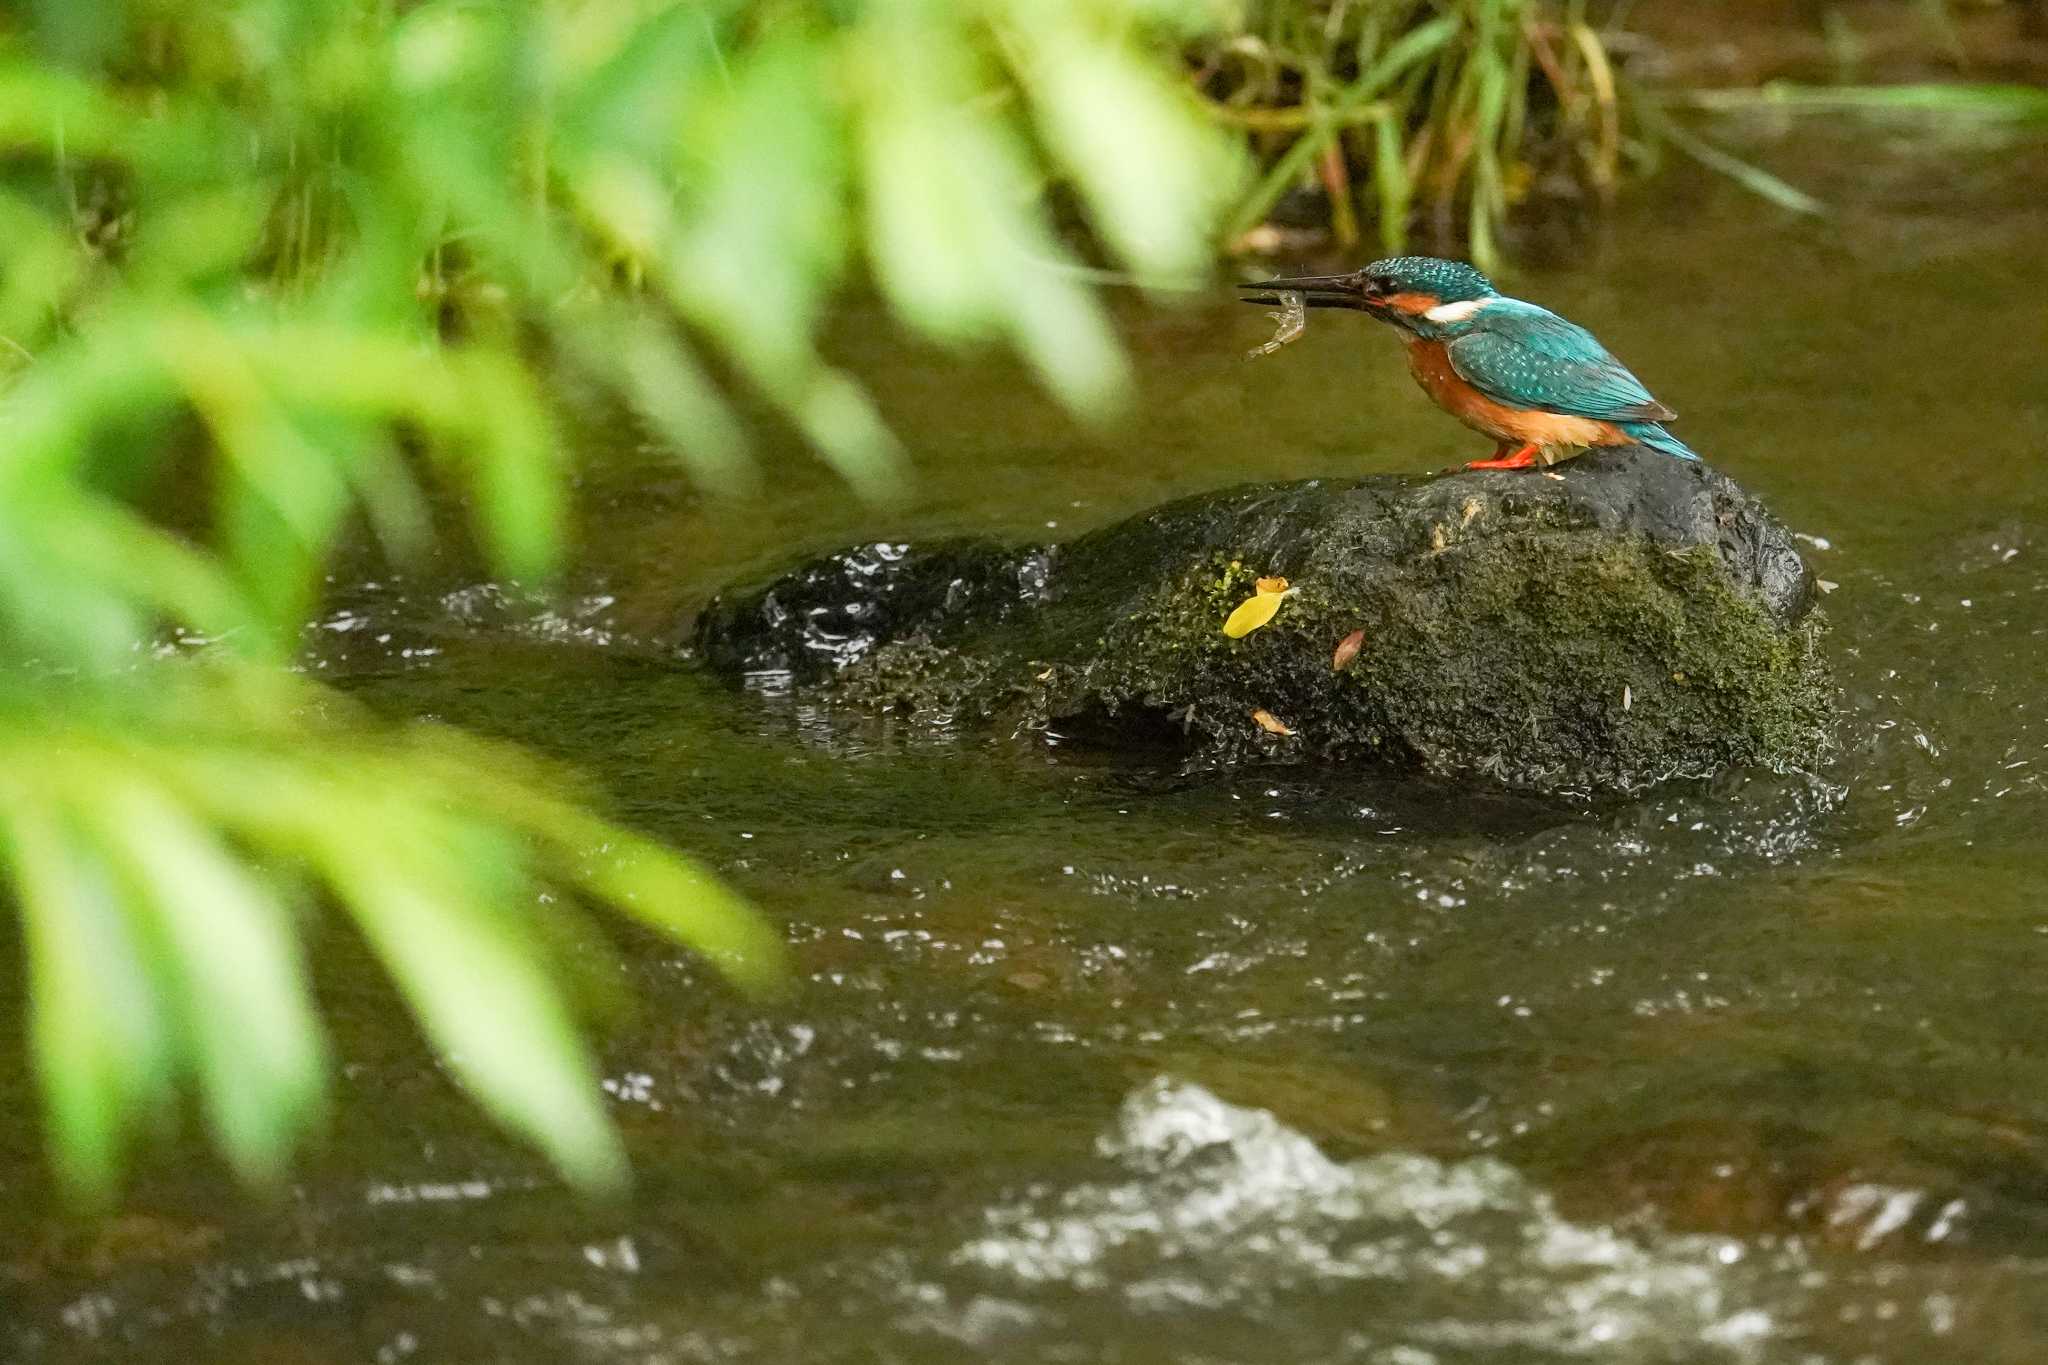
<point>1087,1062</point>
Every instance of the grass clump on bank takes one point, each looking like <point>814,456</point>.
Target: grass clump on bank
<point>1400,108</point>
<point>1439,115</point>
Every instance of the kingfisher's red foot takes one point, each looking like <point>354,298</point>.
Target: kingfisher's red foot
<point>1518,459</point>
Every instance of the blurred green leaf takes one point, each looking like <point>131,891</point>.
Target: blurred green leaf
<point>1153,175</point>
<point>473,979</point>
<point>227,948</point>
<point>166,846</point>
<point>97,1015</point>
<point>278,268</point>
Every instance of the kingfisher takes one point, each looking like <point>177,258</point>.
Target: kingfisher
<point>1543,388</point>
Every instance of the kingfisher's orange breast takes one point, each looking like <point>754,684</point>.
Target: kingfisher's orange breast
<point>1431,365</point>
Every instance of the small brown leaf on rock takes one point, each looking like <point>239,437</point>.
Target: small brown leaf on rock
<point>1271,585</point>
<point>1347,650</point>
<point>1270,723</point>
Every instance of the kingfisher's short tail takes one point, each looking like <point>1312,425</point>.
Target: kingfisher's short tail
<point>1656,438</point>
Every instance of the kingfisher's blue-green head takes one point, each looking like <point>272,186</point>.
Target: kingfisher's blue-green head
<point>1404,290</point>
<point>1427,278</point>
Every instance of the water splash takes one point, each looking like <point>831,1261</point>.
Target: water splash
<point>1222,1208</point>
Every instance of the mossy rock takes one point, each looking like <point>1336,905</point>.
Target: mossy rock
<point>1628,618</point>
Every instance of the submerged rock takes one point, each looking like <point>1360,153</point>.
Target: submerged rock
<point>1631,618</point>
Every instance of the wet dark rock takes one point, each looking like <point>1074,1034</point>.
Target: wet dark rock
<point>1631,618</point>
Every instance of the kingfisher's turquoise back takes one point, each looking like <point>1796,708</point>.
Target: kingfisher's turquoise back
<point>1528,357</point>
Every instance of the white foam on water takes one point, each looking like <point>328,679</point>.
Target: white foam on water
<point>1226,1208</point>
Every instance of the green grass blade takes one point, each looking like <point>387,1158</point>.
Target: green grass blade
<point>1285,172</point>
<point>1970,100</point>
<point>1753,178</point>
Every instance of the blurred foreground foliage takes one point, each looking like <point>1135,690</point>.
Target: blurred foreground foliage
<point>321,260</point>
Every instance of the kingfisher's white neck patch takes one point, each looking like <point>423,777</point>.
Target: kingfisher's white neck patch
<point>1461,311</point>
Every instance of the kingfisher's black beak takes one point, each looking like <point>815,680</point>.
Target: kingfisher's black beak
<point>1317,291</point>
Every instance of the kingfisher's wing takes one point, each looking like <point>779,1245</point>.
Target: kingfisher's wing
<point>1528,357</point>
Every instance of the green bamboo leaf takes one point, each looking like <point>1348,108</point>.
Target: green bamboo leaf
<point>958,244</point>
<point>227,942</point>
<point>667,388</point>
<point>660,888</point>
<point>55,607</point>
<point>934,185</point>
<point>630,96</point>
<point>96,1007</point>
<point>201,236</point>
<point>44,267</point>
<point>515,468</point>
<point>280,500</point>
<point>472,978</point>
<point>757,253</point>
<point>835,414</point>
<point>43,106</point>
<point>381,480</point>
<point>110,570</point>
<point>685,903</point>
<point>1062,331</point>
<point>1153,171</point>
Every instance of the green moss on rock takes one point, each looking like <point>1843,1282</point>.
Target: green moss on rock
<point>1632,620</point>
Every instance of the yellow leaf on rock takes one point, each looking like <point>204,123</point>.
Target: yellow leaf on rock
<point>1252,613</point>
<point>1270,723</point>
